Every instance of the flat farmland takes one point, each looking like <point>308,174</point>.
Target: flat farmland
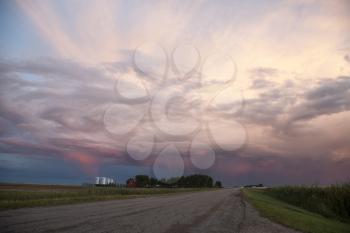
<point>14,196</point>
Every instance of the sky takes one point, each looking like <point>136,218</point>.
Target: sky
<point>244,91</point>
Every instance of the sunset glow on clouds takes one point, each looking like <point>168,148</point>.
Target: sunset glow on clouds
<point>60,59</point>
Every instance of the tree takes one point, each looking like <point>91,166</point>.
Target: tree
<point>192,181</point>
<point>153,182</point>
<point>218,184</point>
<point>195,181</point>
<point>142,181</point>
<point>172,180</point>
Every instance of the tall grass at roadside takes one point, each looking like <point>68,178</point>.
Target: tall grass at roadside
<point>330,201</point>
<point>292,216</point>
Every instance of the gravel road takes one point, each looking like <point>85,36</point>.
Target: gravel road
<point>212,211</point>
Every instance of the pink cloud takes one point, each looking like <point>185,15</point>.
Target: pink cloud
<point>236,167</point>
<point>88,162</point>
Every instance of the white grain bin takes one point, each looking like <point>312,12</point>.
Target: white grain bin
<point>97,180</point>
<point>101,180</point>
<point>104,180</point>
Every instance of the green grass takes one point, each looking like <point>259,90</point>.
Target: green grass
<point>36,195</point>
<point>293,216</point>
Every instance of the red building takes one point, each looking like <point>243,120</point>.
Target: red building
<point>131,183</point>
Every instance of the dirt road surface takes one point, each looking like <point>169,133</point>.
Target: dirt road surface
<point>201,212</point>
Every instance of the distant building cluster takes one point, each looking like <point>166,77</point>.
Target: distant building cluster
<point>104,181</point>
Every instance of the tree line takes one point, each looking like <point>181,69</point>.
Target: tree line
<point>192,181</point>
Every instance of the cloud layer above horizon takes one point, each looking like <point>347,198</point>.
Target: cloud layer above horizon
<point>287,86</point>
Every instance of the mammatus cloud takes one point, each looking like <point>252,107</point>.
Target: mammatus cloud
<point>51,127</point>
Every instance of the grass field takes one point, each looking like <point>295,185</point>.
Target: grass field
<point>298,218</point>
<point>18,196</point>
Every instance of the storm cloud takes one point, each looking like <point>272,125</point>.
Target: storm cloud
<point>77,88</point>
